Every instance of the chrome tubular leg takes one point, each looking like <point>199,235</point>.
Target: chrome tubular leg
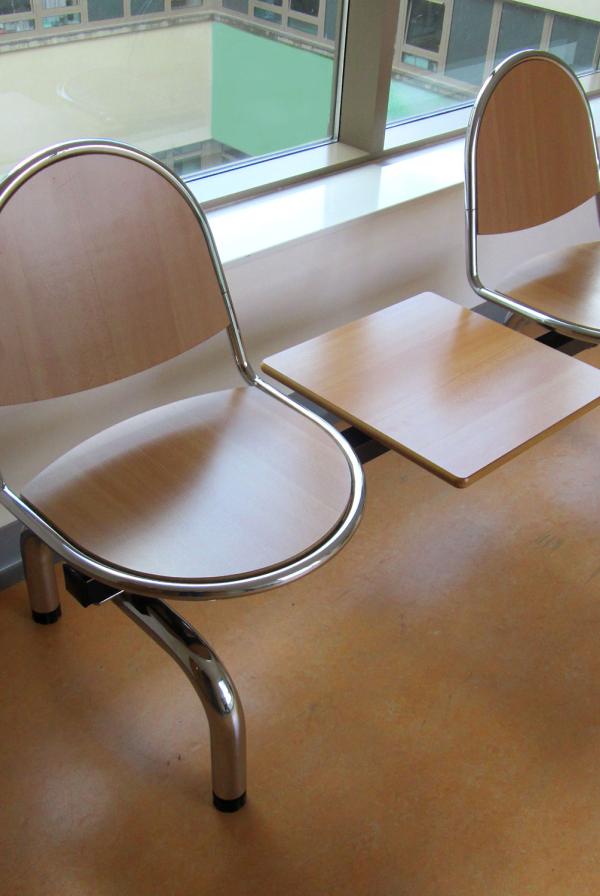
<point>38,566</point>
<point>212,684</point>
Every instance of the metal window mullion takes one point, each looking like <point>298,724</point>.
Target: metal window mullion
<point>370,38</point>
<point>401,32</point>
<point>339,50</point>
<point>38,14</point>
<point>596,56</point>
<point>490,53</point>
<point>445,35</point>
<point>546,31</point>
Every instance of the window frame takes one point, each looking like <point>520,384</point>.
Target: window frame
<point>361,131</point>
<point>364,62</point>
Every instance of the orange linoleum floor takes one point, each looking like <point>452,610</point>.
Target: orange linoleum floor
<point>423,712</point>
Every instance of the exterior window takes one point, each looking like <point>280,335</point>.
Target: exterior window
<point>11,6</point>
<point>424,28</point>
<point>445,50</point>
<point>575,41</point>
<point>104,9</point>
<point>17,27</point>
<point>420,62</point>
<point>301,25</point>
<point>238,80</point>
<point>257,79</point>
<point>143,7</point>
<point>308,7</point>
<point>73,18</point>
<point>267,15</point>
<point>520,27</point>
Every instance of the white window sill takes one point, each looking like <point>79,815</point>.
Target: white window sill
<point>238,183</point>
<point>289,213</point>
<point>264,222</point>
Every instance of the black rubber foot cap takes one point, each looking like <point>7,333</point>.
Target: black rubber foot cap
<point>46,618</point>
<point>229,805</point>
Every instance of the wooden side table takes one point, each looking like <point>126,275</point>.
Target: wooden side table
<point>440,384</point>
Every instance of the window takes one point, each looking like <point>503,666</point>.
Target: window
<point>575,41</point>
<point>446,48</point>
<point>99,10</point>
<point>424,24</point>
<point>210,83</point>
<point>9,6</point>
<point>58,21</point>
<point>234,80</point>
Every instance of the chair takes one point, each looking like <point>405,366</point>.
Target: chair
<point>108,267</point>
<point>531,157</point>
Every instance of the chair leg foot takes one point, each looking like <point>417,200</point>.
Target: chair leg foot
<point>38,566</point>
<point>229,805</point>
<point>213,685</point>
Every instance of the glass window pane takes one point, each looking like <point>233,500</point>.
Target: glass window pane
<point>104,9</point>
<point>431,42</point>
<point>308,7</point>
<point>14,27</point>
<point>575,41</point>
<point>302,25</point>
<point>72,18</point>
<point>236,5</point>
<point>469,38</point>
<point>444,51</point>
<point>425,21</point>
<point>520,28</point>
<point>143,7</point>
<point>331,20</point>
<point>267,15</point>
<point>181,4</point>
<point>7,7</point>
<point>206,93</point>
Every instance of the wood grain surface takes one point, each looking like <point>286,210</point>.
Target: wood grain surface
<point>565,283</point>
<point>455,392</point>
<point>535,151</point>
<point>224,484</point>
<point>104,272</point>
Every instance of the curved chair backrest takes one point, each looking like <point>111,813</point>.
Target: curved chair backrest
<point>531,150</point>
<point>106,268</point>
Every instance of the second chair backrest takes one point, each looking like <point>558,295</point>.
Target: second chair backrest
<point>106,269</point>
<point>531,153</point>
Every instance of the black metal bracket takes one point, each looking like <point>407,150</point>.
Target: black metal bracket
<point>85,590</point>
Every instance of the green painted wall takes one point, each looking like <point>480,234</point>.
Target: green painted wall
<point>266,95</point>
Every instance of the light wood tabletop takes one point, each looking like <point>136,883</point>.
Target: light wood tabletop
<point>453,391</point>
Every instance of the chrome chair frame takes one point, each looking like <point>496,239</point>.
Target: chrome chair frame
<point>567,327</point>
<point>139,596</point>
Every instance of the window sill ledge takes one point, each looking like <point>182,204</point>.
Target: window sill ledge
<point>263,222</point>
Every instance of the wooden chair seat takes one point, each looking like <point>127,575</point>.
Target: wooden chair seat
<point>565,283</point>
<point>108,267</point>
<point>221,485</point>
